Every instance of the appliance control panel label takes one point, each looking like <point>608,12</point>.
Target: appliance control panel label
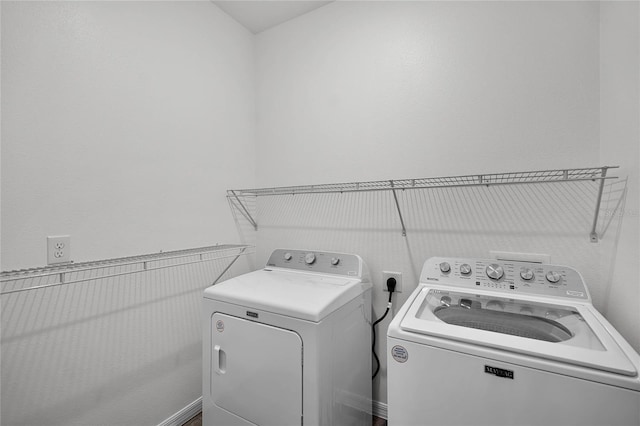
<point>506,276</point>
<point>399,353</point>
<point>348,265</point>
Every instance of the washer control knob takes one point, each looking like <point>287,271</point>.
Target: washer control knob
<point>287,256</point>
<point>309,258</point>
<point>494,271</point>
<point>335,261</point>
<point>445,267</point>
<point>553,277</point>
<point>465,269</point>
<point>526,274</point>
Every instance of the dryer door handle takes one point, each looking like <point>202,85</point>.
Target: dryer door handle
<point>219,360</point>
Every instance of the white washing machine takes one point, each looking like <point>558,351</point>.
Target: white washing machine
<point>289,344</point>
<point>485,342</point>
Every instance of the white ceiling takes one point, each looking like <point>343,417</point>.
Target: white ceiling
<point>258,16</point>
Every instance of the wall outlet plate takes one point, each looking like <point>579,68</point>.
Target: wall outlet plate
<point>58,249</point>
<point>397,275</point>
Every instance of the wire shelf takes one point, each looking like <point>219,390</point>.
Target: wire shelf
<point>238,197</point>
<point>72,273</point>
<point>510,178</point>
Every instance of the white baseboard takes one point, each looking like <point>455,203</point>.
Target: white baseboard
<point>191,410</point>
<point>380,409</point>
<point>184,415</point>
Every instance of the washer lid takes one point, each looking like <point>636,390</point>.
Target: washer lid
<point>568,334</point>
<point>301,295</point>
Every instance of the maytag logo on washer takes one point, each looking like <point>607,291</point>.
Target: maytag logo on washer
<point>220,326</point>
<point>399,353</point>
<point>499,372</point>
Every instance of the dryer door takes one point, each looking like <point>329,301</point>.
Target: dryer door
<point>256,371</point>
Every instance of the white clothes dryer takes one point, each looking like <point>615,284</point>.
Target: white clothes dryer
<point>289,344</point>
<point>486,342</point>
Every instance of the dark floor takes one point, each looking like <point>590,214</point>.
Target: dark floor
<point>197,421</point>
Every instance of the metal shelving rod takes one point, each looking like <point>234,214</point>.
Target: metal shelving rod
<point>224,271</point>
<point>141,262</point>
<point>395,197</point>
<point>594,235</point>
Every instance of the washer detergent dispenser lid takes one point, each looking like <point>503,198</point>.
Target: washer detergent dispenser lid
<point>299,284</point>
<point>514,315</point>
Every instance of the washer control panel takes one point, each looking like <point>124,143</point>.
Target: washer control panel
<point>506,276</point>
<point>349,265</point>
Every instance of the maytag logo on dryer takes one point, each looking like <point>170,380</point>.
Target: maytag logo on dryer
<point>499,372</point>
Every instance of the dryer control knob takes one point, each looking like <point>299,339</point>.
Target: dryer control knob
<point>526,274</point>
<point>465,269</point>
<point>494,271</point>
<point>553,277</point>
<point>287,256</point>
<point>445,267</point>
<point>309,258</point>
<point>335,261</point>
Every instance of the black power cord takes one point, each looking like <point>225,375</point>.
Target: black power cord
<point>391,287</point>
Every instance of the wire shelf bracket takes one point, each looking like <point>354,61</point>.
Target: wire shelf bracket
<point>243,210</point>
<point>593,235</point>
<point>395,198</point>
<point>236,196</point>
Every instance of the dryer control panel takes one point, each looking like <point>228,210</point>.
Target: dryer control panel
<point>506,276</point>
<point>349,265</point>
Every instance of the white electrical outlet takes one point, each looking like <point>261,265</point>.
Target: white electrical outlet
<point>397,275</point>
<point>58,249</point>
